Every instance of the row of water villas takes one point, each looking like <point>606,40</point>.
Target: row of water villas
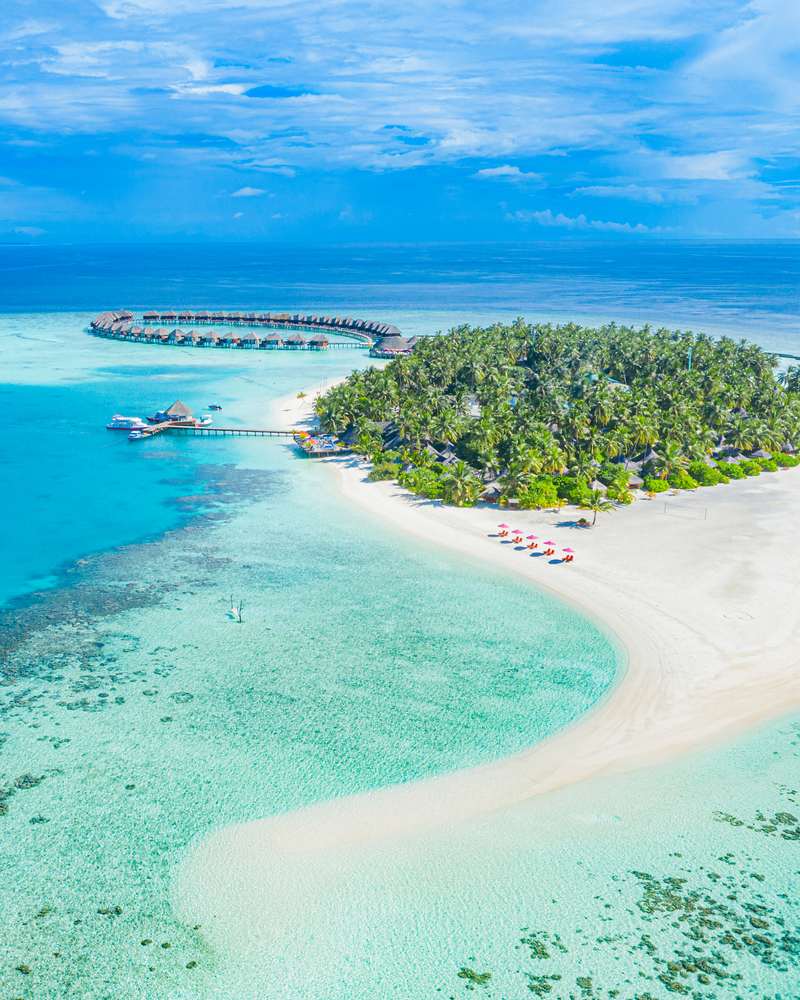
<point>121,325</point>
<point>200,338</point>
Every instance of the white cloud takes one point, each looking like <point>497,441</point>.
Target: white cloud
<point>720,166</point>
<point>29,230</point>
<point>508,173</point>
<point>561,221</point>
<point>248,192</point>
<point>631,192</point>
<point>238,215</point>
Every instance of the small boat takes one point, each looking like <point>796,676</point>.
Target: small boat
<point>204,422</point>
<point>135,435</point>
<point>120,423</point>
<point>214,406</point>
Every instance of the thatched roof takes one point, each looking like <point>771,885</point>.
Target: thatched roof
<point>295,338</point>
<point>318,338</point>
<point>273,338</point>
<point>179,409</point>
<point>760,454</point>
<point>203,314</point>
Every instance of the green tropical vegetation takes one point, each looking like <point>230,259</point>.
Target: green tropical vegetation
<point>548,414</point>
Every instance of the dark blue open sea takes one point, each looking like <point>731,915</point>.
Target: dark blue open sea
<point>136,717</point>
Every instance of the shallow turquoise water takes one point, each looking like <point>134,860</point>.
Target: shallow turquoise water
<point>138,715</point>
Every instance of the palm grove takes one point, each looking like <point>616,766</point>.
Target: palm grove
<point>544,412</point>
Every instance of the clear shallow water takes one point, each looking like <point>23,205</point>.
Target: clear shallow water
<point>365,658</point>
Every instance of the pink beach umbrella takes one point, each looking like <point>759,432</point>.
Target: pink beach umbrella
<point>549,543</point>
<point>502,525</point>
<point>568,550</point>
<point>530,537</point>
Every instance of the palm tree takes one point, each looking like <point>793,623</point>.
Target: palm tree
<point>597,502</point>
<point>670,460</point>
<point>461,483</point>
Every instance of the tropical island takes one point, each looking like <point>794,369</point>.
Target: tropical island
<point>547,415</point>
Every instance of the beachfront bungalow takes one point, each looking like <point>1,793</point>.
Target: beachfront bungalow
<point>209,340</point>
<point>229,340</point>
<point>250,340</point>
<point>175,336</point>
<point>136,333</point>
<point>318,341</point>
<point>272,340</point>
<point>170,316</point>
<point>219,317</point>
<point>185,316</point>
<point>151,316</point>
<point>161,334</point>
<point>235,317</point>
<point>295,341</point>
<point>204,316</point>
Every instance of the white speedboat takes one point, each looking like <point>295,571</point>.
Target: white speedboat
<point>120,423</point>
<point>135,435</point>
<point>204,422</point>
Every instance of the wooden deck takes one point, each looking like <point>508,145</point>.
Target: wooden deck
<point>191,430</point>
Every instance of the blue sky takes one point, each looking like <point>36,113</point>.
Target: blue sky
<point>341,120</point>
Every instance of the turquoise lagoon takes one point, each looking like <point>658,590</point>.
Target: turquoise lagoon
<point>138,717</point>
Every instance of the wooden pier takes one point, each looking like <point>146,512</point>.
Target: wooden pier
<point>229,432</point>
<point>194,430</point>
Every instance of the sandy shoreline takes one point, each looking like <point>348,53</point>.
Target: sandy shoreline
<point>703,592</point>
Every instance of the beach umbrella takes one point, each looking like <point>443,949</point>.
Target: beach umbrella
<point>502,525</point>
<point>549,543</point>
<point>529,537</point>
<point>568,550</point>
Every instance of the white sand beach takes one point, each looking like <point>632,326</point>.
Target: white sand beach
<point>702,589</point>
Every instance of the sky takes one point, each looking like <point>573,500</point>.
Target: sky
<point>348,120</point>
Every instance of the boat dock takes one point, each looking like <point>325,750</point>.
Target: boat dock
<point>196,430</point>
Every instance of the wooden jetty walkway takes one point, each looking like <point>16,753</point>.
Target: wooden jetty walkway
<point>195,430</point>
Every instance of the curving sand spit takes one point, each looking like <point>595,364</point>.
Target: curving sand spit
<point>702,589</point>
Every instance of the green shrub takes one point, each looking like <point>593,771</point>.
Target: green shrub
<point>706,475</point>
<point>540,493</point>
<point>682,481</point>
<point>750,467</point>
<point>570,488</point>
<point>382,471</point>
<point>787,461</point>
<point>422,481</point>
<point>609,472</point>
<point>734,471</point>
<point>768,465</point>
<point>654,485</point>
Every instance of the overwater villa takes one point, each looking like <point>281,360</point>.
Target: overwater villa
<point>384,340</point>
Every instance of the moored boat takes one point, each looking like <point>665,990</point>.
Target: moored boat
<point>120,423</point>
